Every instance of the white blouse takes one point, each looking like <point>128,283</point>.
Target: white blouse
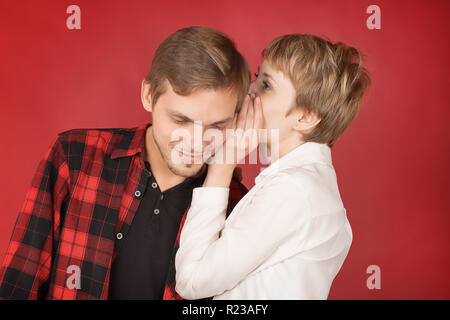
<point>286,239</point>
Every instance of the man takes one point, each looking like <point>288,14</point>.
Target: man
<point>102,217</point>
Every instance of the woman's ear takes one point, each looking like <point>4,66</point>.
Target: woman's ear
<point>306,121</point>
<point>146,96</point>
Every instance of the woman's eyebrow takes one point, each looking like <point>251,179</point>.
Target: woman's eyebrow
<point>267,75</point>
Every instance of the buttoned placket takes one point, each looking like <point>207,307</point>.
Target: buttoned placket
<point>156,210</point>
<point>154,185</point>
<point>145,176</point>
<point>139,193</point>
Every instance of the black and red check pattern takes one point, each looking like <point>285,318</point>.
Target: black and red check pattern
<point>81,196</point>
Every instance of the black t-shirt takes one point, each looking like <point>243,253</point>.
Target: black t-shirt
<point>140,268</point>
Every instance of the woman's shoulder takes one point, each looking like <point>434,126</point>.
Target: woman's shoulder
<point>314,186</point>
<point>304,176</point>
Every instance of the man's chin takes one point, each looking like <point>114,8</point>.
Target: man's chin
<point>186,170</point>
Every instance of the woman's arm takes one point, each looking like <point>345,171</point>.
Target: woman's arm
<point>209,263</point>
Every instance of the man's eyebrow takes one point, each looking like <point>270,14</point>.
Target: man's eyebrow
<point>183,117</point>
<point>180,115</point>
<point>222,121</point>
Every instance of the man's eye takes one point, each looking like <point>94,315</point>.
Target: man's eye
<point>217,127</point>
<point>179,121</point>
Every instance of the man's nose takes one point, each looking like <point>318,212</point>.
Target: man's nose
<point>197,142</point>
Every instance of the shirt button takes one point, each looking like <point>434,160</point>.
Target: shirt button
<point>154,185</point>
<point>162,196</point>
<point>137,193</point>
<point>156,211</point>
<point>119,236</point>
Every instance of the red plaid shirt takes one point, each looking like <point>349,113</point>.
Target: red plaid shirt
<point>81,196</point>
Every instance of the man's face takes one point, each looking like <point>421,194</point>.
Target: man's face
<point>179,123</point>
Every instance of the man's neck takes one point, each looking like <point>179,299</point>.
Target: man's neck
<point>165,178</point>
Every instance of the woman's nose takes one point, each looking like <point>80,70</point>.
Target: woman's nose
<point>252,88</point>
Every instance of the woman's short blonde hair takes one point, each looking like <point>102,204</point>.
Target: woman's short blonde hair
<point>328,78</point>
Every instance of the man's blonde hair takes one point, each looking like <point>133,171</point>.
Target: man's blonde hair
<point>328,78</point>
<point>197,58</point>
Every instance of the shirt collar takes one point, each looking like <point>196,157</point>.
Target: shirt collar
<point>132,142</point>
<point>306,153</point>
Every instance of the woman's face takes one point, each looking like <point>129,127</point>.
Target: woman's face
<point>277,96</point>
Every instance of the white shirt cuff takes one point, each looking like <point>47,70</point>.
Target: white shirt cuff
<point>210,196</point>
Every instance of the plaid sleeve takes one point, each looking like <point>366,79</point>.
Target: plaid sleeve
<point>25,270</point>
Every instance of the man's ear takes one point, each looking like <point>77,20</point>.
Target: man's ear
<point>146,96</point>
<point>306,121</point>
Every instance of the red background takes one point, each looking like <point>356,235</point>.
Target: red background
<point>392,164</point>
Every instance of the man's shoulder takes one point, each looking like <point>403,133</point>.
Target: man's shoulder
<point>94,132</point>
<point>83,142</point>
<point>237,188</point>
<point>237,192</point>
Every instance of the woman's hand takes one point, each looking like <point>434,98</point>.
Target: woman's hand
<point>243,139</point>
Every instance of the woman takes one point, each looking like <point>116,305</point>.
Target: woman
<point>289,236</point>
